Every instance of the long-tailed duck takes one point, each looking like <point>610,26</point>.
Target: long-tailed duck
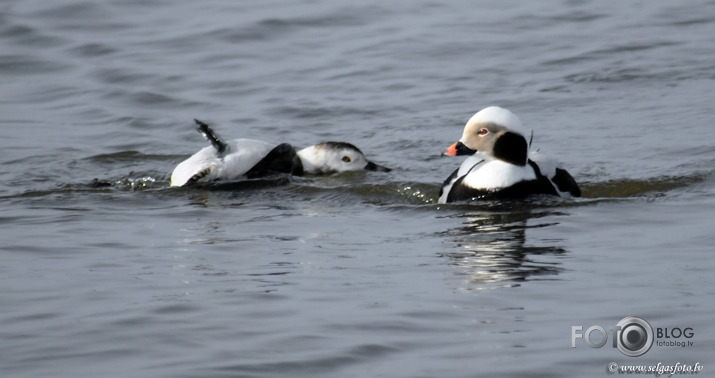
<point>250,158</point>
<point>499,163</point>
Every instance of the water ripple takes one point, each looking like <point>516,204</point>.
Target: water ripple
<point>30,65</point>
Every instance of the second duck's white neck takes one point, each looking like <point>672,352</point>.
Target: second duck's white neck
<point>312,160</point>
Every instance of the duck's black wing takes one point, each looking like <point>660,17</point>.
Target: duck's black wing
<point>283,158</point>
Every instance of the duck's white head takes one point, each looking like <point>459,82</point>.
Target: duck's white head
<point>496,133</point>
<point>329,157</point>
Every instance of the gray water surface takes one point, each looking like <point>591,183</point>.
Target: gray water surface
<point>106,271</point>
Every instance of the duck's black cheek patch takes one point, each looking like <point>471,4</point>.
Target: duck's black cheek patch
<point>511,148</point>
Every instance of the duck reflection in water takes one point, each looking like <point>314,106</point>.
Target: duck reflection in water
<point>491,245</point>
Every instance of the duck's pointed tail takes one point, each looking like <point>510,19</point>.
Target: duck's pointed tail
<point>211,136</point>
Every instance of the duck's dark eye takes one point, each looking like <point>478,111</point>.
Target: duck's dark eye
<point>346,159</point>
<point>482,132</point>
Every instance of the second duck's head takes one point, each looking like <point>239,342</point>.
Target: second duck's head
<point>496,133</point>
<point>330,157</point>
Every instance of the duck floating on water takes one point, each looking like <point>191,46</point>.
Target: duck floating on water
<point>499,164</point>
<point>249,158</point>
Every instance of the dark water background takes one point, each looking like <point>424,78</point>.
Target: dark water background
<point>355,275</point>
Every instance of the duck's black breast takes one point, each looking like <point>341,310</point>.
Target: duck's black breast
<point>521,189</point>
<point>447,182</point>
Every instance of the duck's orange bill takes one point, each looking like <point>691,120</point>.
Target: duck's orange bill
<point>451,150</point>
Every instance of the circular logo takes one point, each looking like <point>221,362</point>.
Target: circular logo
<point>635,336</point>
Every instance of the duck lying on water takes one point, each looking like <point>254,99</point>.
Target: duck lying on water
<point>249,158</point>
